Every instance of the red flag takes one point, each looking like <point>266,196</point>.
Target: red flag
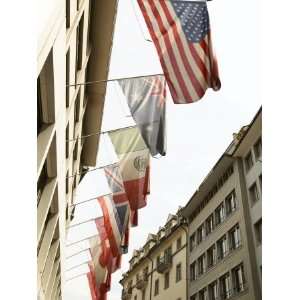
<point>180,31</point>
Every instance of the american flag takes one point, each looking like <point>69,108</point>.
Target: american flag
<point>180,31</point>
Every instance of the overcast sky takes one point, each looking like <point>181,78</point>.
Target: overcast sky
<point>197,134</point>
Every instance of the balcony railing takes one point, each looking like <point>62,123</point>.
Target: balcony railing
<point>164,264</point>
<point>142,282</point>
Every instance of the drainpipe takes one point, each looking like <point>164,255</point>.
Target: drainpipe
<point>187,249</point>
<point>151,277</point>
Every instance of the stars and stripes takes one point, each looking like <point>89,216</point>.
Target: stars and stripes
<point>181,33</point>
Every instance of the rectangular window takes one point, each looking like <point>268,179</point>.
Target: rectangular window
<point>67,14</point>
<point>168,254</point>
<point>230,203</point>
<point>213,291</point>
<point>200,234</point>
<point>225,292</point>
<point>258,231</point>
<point>234,237</point>
<point>260,182</point>
<point>143,294</point>
<point>67,141</point>
<point>156,287</point>
<point>67,183</point>
<point>238,279</point>
<point>41,182</point>
<point>194,297</point>
<point>257,149</point>
<point>203,294</point>
<point>77,107</point>
<point>192,242</point>
<point>211,256</point>
<point>135,297</point>
<point>68,79</point>
<point>193,271</point>
<point>178,243</point>
<point>79,44</point>
<point>209,224</point>
<point>75,151</point>
<point>201,265</point>
<point>39,108</point>
<point>167,280</point>
<point>254,195</point>
<point>220,214</point>
<point>157,260</point>
<point>222,247</point>
<point>248,161</point>
<point>178,272</point>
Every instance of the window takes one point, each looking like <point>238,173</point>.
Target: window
<point>157,260</point>
<point>194,297</point>
<point>238,278</point>
<point>225,292</point>
<point>145,272</point>
<point>178,272</point>
<point>67,141</point>
<point>193,271</point>
<point>200,234</point>
<point>75,151</point>
<point>211,256</point>
<point>201,265</point>
<point>41,183</point>
<point>67,183</point>
<point>213,291</point>
<point>222,247</point>
<point>234,237</point>
<point>178,243</point>
<point>257,149</point>
<point>39,108</point>
<point>260,182</point>
<point>68,78</point>
<point>143,294</point>
<point>230,203</point>
<point>192,242</point>
<point>220,214</point>
<point>135,297</point>
<point>203,294</point>
<point>168,254</point>
<point>156,287</point>
<point>77,107</point>
<point>79,43</point>
<point>248,161</point>
<point>67,14</point>
<point>209,224</point>
<point>253,191</point>
<point>167,280</point>
<point>258,231</point>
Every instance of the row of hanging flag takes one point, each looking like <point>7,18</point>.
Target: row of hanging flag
<point>180,31</point>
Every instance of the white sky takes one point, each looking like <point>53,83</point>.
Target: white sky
<point>197,134</point>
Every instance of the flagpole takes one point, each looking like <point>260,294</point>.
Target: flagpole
<point>85,239</point>
<point>86,249</point>
<point>101,132</point>
<point>91,170</point>
<point>114,79</point>
<point>83,222</point>
<point>74,267</point>
<point>74,277</point>
<point>88,200</point>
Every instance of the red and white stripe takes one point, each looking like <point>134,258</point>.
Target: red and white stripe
<point>189,68</point>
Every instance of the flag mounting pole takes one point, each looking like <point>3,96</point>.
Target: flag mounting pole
<point>76,266</point>
<point>83,222</point>
<point>114,79</point>
<point>88,200</point>
<point>85,239</point>
<point>83,250</point>
<point>74,277</point>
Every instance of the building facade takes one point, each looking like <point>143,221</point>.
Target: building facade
<point>158,269</point>
<point>74,46</point>
<point>224,223</point>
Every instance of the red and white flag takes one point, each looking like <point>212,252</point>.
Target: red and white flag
<point>180,31</point>
<point>134,159</point>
